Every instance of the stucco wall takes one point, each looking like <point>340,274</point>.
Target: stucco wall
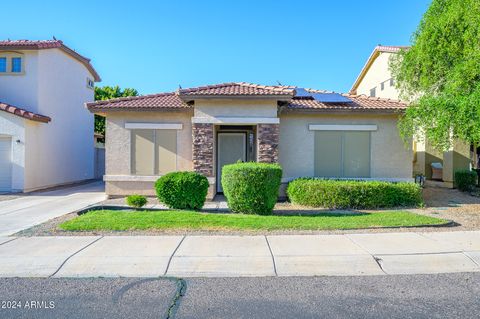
<point>118,148</point>
<point>22,90</point>
<point>235,108</point>
<point>378,73</point>
<point>13,126</point>
<point>53,84</point>
<point>65,151</point>
<point>389,157</point>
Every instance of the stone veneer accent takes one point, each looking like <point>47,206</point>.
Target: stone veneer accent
<point>267,141</point>
<point>203,146</point>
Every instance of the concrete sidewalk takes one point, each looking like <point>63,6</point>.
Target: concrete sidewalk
<point>238,256</point>
<point>38,207</point>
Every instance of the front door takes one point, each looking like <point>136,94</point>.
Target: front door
<point>231,148</point>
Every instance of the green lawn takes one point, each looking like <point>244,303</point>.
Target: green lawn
<point>189,220</point>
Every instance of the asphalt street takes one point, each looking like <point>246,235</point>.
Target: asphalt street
<point>406,296</point>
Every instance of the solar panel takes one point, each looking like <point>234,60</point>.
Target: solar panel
<point>322,97</point>
<point>331,98</point>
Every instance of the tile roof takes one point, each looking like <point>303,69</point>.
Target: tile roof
<point>174,100</point>
<point>143,102</point>
<point>391,48</point>
<point>359,103</point>
<point>237,89</point>
<point>48,44</point>
<point>24,113</point>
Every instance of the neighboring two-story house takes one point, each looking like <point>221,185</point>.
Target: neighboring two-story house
<point>375,80</point>
<point>46,134</point>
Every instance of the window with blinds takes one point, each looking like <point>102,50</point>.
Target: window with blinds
<point>342,154</point>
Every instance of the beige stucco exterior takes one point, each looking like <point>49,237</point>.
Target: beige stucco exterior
<point>378,73</point>
<point>119,179</point>
<point>390,159</point>
<point>235,108</point>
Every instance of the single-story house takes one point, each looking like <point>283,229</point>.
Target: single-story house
<point>309,132</point>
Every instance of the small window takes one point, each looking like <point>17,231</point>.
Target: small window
<point>3,64</point>
<point>392,82</point>
<point>373,92</point>
<point>90,83</point>
<point>11,63</point>
<point>16,65</point>
<point>382,86</point>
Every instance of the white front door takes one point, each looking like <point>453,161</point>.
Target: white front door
<point>231,148</point>
<point>5,164</point>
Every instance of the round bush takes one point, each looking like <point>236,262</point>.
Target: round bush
<point>251,188</point>
<point>465,180</point>
<point>353,194</point>
<point>137,201</point>
<point>182,190</point>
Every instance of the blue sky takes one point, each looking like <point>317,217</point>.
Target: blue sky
<point>154,46</point>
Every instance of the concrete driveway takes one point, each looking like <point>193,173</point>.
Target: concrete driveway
<point>38,207</point>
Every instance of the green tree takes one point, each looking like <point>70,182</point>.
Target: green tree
<point>440,74</point>
<point>107,93</point>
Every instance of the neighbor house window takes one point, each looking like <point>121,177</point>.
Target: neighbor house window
<point>342,154</point>
<point>16,65</point>
<point>382,86</point>
<point>373,92</point>
<point>11,63</point>
<point>392,82</point>
<point>154,152</point>
<point>90,83</point>
<point>3,64</point>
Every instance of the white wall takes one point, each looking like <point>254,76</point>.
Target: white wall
<point>22,90</point>
<point>65,150</point>
<point>13,126</point>
<point>55,85</point>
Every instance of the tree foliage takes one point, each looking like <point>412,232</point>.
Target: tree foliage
<point>440,74</point>
<point>107,93</point>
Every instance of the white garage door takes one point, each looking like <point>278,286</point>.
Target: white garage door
<point>5,164</point>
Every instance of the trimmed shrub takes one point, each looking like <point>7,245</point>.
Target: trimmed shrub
<point>182,190</point>
<point>136,201</point>
<point>465,180</point>
<point>251,188</point>
<point>353,194</point>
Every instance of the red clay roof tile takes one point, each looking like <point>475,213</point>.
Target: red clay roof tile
<point>173,100</point>
<point>24,113</point>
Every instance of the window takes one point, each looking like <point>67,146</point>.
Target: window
<point>154,152</point>
<point>392,82</point>
<point>373,92</point>
<point>16,65</point>
<point>3,64</point>
<point>342,154</point>
<point>90,83</point>
<point>382,86</point>
<point>11,63</point>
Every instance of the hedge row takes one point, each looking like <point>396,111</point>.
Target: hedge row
<point>353,194</point>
